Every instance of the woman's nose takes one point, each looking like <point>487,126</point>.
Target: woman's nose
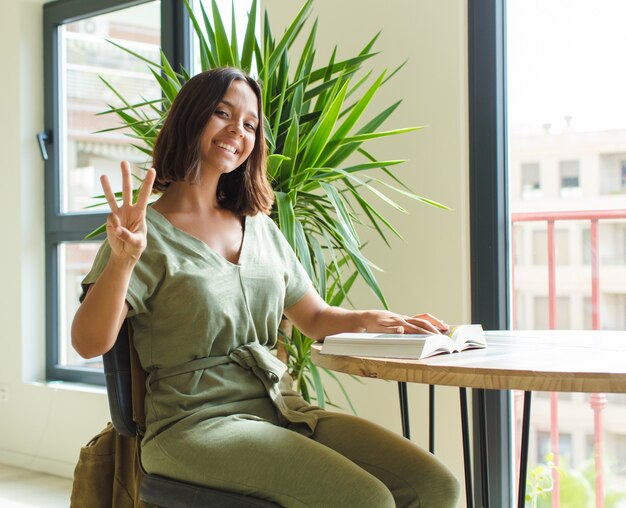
<point>236,127</point>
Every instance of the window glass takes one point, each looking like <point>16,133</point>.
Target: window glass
<point>87,58</point>
<point>86,145</point>
<point>74,262</point>
<point>531,183</point>
<point>569,173</point>
<point>612,173</point>
<point>566,113</point>
<point>541,316</point>
<point>540,246</point>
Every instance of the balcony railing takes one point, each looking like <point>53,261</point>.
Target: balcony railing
<point>597,401</point>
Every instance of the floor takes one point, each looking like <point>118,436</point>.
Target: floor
<point>20,488</point>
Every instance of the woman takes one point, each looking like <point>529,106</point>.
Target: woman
<point>205,276</point>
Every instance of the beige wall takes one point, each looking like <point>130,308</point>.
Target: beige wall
<point>43,425</point>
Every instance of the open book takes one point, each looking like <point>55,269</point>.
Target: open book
<point>397,345</point>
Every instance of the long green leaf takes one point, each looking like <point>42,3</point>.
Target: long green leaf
<point>320,263</point>
<point>302,249</point>
<point>133,53</point>
<point>343,390</point>
<point>357,111</point>
<point>290,150</point>
<point>234,44</point>
<point>274,161</point>
<point>214,55</point>
<point>286,216</point>
<point>205,53</point>
<point>319,386</point>
<point>225,56</point>
<point>345,150</point>
<point>344,222</point>
<point>288,37</point>
<point>348,64</point>
<point>249,40</point>
<point>375,135</point>
<point>324,129</point>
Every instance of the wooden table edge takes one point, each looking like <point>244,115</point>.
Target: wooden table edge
<point>415,371</point>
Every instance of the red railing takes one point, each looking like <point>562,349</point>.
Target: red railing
<point>597,400</point>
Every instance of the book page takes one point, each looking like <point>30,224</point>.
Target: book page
<point>467,337</point>
<point>437,344</point>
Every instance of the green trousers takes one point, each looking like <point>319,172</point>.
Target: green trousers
<point>347,462</point>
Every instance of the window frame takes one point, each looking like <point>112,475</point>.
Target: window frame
<point>489,228</point>
<point>60,227</point>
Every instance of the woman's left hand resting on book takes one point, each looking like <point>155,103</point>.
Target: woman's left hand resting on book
<point>316,319</point>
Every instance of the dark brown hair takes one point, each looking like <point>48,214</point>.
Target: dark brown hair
<point>176,152</point>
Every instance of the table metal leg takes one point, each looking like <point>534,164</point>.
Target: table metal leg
<point>431,418</point>
<point>404,409</point>
<point>523,463</point>
<point>484,453</point>
<point>467,463</point>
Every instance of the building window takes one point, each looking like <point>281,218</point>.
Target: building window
<point>544,446</point>
<point>78,60</point>
<point>616,447</point>
<point>612,173</point>
<point>531,181</point>
<point>540,247</point>
<point>569,173</point>
<point>541,313</point>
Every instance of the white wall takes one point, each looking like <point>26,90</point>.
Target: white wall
<point>42,426</point>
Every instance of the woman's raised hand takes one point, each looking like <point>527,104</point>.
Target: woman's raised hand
<point>126,224</point>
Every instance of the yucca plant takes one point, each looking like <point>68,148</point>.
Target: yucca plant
<point>316,124</point>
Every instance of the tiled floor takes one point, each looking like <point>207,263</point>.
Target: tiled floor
<point>20,488</point>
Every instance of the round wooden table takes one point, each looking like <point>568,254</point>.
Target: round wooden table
<point>552,360</point>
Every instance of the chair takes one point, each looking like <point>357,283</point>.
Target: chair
<point>154,489</point>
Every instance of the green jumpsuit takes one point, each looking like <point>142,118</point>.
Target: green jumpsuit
<point>220,409</point>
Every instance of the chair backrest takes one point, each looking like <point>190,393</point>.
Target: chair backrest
<point>117,375</point>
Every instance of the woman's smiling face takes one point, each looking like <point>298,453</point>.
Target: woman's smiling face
<point>229,135</point>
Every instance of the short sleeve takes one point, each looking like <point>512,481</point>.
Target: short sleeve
<point>142,282</point>
<point>297,281</point>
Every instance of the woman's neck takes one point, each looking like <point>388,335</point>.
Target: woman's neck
<point>185,197</point>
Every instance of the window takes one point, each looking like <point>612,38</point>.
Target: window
<point>569,176</point>
<point>582,156</point>
<point>616,444</point>
<point>80,149</point>
<point>540,247</point>
<point>531,183</point>
<point>507,97</point>
<point>612,173</point>
<point>562,312</point>
<point>544,445</point>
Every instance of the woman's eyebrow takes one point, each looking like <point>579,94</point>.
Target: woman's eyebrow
<point>231,105</point>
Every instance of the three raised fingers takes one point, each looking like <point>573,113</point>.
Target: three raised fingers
<point>127,188</point>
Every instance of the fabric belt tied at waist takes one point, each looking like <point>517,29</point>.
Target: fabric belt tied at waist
<point>198,364</point>
<point>265,366</point>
